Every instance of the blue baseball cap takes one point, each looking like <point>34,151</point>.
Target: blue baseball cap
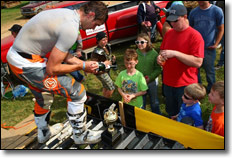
<point>176,11</point>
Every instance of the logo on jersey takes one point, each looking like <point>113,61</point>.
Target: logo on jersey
<point>129,87</point>
<point>50,83</point>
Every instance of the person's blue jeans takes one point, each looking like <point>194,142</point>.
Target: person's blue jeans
<point>153,96</point>
<point>222,55</point>
<point>77,75</point>
<point>208,66</point>
<point>173,99</point>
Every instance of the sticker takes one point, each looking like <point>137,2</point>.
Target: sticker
<point>50,83</point>
<point>96,30</point>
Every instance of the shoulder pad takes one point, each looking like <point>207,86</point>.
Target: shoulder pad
<point>99,51</point>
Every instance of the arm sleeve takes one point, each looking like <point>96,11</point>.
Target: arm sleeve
<point>197,45</point>
<point>66,37</point>
<point>219,17</point>
<point>190,18</point>
<point>140,14</point>
<point>197,119</point>
<point>157,68</point>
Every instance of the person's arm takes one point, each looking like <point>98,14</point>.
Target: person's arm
<point>219,37</point>
<point>189,60</point>
<point>79,45</point>
<point>55,66</point>
<point>198,122</point>
<point>157,8</point>
<point>128,97</point>
<point>135,95</point>
<point>166,28</point>
<point>140,14</point>
<point>96,57</point>
<point>123,95</point>
<point>157,71</point>
<point>201,127</point>
<point>174,117</point>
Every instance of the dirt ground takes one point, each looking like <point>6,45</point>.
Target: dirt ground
<point>4,29</point>
<point>5,32</point>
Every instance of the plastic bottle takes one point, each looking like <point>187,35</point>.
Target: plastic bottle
<point>101,66</point>
<point>163,61</point>
<point>20,91</point>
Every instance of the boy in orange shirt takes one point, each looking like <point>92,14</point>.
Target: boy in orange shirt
<point>216,120</point>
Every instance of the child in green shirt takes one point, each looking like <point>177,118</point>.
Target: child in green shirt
<point>131,83</point>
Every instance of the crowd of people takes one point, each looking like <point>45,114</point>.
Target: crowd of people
<point>190,39</point>
<point>188,44</point>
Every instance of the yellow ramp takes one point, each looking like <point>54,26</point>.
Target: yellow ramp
<point>189,136</point>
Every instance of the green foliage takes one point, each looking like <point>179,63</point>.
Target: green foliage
<point>8,15</point>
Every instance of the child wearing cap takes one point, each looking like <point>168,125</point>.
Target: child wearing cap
<point>216,120</point>
<point>190,108</point>
<point>102,53</point>
<point>15,30</point>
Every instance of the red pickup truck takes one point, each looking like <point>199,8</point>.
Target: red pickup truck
<point>121,25</point>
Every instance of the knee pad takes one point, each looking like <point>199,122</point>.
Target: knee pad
<point>77,91</point>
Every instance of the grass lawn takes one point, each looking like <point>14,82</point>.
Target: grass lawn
<point>14,111</point>
<point>10,14</point>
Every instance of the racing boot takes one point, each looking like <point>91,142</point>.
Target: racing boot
<point>44,131</point>
<point>81,135</point>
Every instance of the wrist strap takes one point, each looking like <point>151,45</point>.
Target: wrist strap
<point>83,65</point>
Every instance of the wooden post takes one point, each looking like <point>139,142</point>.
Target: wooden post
<point>122,115</point>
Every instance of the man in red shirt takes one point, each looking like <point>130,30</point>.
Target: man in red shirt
<point>183,51</point>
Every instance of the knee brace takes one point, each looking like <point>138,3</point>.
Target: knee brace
<point>48,99</point>
<point>77,91</point>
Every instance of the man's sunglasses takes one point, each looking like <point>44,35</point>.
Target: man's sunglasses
<point>141,42</point>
